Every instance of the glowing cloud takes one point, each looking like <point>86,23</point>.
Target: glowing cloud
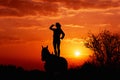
<point>50,7</point>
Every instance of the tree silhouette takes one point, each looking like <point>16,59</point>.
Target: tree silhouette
<point>106,47</point>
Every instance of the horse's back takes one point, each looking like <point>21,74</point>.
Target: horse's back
<point>63,63</point>
<point>55,63</point>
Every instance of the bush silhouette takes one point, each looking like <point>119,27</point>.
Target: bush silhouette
<point>106,47</point>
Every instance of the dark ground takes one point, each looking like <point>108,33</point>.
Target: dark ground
<point>86,72</point>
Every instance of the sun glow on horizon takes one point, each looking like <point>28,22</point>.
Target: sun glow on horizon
<point>77,53</point>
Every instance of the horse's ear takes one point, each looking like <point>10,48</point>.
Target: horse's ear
<point>47,46</point>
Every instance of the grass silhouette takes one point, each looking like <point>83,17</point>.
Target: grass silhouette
<point>88,71</point>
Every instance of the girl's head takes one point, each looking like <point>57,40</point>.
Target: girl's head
<point>58,25</point>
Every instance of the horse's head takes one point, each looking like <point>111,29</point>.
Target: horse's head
<point>45,53</point>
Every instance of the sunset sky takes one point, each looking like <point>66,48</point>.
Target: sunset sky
<point>24,28</point>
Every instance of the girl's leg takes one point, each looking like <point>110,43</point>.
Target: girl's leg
<point>54,45</point>
<point>58,48</point>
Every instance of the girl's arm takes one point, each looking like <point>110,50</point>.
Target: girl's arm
<point>51,27</point>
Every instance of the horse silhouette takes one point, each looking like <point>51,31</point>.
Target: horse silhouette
<point>53,63</point>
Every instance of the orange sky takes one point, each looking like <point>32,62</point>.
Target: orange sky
<point>24,28</point>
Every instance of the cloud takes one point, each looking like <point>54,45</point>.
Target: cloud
<point>8,12</point>
<point>50,7</point>
<point>13,23</point>
<point>26,7</point>
<point>5,39</point>
<point>77,4</point>
<point>75,41</point>
<point>13,30</point>
<point>74,26</point>
<point>68,12</point>
<point>42,28</point>
<point>27,28</point>
<point>31,28</point>
<point>103,25</point>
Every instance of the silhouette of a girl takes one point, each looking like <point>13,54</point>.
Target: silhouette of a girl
<point>57,35</point>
